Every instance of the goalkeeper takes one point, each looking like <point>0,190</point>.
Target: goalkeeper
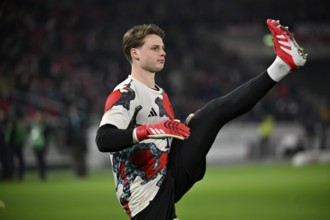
<point>155,158</point>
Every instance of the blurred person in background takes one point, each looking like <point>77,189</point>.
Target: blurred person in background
<point>4,154</point>
<point>76,141</point>
<point>261,147</point>
<point>16,132</point>
<point>38,140</point>
<point>265,130</point>
<point>155,158</point>
<point>325,125</point>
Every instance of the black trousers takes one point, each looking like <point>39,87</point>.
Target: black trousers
<point>187,159</point>
<point>40,155</point>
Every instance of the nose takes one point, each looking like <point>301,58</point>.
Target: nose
<point>163,53</point>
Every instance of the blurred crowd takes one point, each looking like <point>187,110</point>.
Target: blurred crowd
<point>62,58</point>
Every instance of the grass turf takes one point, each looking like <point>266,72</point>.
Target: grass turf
<point>253,192</point>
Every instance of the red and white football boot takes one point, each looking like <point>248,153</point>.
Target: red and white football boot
<point>285,45</point>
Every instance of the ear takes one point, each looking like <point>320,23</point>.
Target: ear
<point>135,54</point>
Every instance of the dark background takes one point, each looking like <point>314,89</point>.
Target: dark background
<point>55,54</point>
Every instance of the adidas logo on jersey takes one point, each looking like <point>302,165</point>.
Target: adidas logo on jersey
<point>152,113</point>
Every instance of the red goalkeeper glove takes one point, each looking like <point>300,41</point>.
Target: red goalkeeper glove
<point>163,129</point>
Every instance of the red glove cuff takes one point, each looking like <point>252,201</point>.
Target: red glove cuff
<point>140,133</point>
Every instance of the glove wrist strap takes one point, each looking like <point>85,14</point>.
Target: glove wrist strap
<point>140,133</point>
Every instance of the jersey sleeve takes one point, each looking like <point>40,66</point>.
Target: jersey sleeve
<point>119,107</point>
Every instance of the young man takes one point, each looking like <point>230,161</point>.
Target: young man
<point>155,158</point>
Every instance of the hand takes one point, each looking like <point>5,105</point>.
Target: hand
<point>163,129</point>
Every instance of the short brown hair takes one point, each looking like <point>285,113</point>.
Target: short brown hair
<point>134,37</point>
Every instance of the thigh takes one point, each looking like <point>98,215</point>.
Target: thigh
<point>204,128</point>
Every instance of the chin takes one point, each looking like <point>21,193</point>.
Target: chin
<point>158,69</point>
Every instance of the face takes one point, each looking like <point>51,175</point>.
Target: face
<point>150,56</point>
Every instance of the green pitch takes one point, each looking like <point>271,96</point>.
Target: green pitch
<point>265,192</point>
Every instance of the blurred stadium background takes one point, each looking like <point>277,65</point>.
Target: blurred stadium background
<point>62,58</point>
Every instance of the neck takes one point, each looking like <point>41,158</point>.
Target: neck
<point>147,78</point>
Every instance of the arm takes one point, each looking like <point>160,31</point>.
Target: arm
<point>110,139</point>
